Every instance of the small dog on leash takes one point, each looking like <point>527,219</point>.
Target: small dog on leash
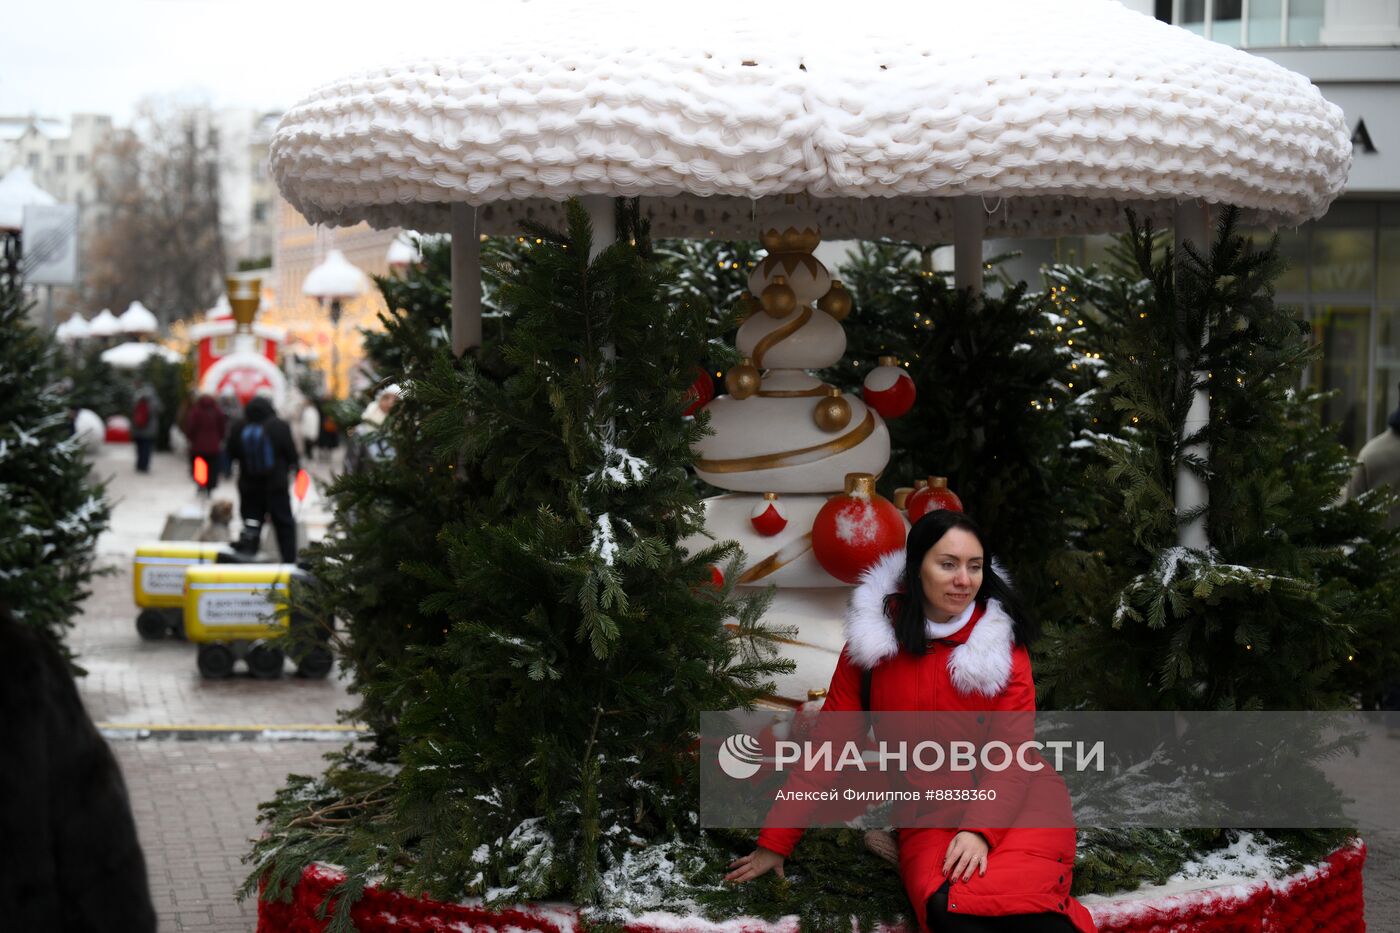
<point>219,525</point>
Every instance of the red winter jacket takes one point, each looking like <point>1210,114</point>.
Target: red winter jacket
<point>205,426</point>
<point>977,669</point>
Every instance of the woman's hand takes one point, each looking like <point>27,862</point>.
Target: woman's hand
<point>966,853</point>
<point>756,863</point>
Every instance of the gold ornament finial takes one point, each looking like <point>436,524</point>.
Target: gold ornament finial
<point>816,693</point>
<point>743,380</point>
<point>901,497</point>
<point>833,412</point>
<point>938,482</point>
<point>770,496</point>
<point>778,298</point>
<point>860,484</point>
<point>889,361</point>
<point>837,301</point>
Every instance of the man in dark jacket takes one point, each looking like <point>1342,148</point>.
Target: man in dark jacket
<point>70,860</point>
<point>262,445</point>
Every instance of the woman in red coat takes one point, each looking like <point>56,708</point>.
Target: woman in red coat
<point>960,648</point>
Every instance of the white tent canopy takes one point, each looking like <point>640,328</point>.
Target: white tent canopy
<point>1056,114</point>
<point>18,191</point>
<point>137,319</point>
<point>104,324</point>
<point>403,251</point>
<point>75,328</point>
<point>133,355</point>
<point>335,277</point>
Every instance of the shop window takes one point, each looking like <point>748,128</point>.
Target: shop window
<point>1343,331</point>
<point>1265,24</point>
<point>1343,260</point>
<point>1387,388</point>
<point>1305,22</point>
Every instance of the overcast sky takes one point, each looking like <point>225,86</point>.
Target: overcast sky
<point>59,57</point>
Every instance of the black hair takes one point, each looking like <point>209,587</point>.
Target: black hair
<point>908,613</point>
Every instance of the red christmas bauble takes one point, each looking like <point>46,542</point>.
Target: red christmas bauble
<point>888,389</point>
<point>936,495</point>
<point>769,516</point>
<point>855,529</point>
<point>701,391</point>
<point>716,576</point>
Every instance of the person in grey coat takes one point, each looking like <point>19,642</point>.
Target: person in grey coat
<point>145,424</point>
<point>1378,465</point>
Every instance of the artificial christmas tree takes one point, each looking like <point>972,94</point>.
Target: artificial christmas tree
<point>573,641</point>
<point>51,510</point>
<point>1274,613</point>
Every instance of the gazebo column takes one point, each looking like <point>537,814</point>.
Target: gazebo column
<point>1193,226</point>
<point>969,227</point>
<point>466,279</point>
<point>602,216</point>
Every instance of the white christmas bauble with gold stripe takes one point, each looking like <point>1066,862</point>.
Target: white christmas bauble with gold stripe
<point>804,339</point>
<point>771,442</point>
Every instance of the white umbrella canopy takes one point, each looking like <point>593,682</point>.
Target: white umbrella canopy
<point>335,277</point>
<point>402,252</point>
<point>75,328</point>
<point>104,324</point>
<point>18,191</point>
<point>133,355</point>
<point>1058,114</point>
<point>137,319</point>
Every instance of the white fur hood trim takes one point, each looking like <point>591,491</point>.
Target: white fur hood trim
<point>982,664</point>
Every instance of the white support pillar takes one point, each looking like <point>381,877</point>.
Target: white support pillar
<point>969,227</point>
<point>1193,226</point>
<point>466,280</point>
<point>602,216</point>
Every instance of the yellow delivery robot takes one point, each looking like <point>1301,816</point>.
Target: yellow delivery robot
<point>235,611</point>
<point>158,583</point>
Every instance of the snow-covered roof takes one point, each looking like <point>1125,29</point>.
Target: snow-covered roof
<point>137,319</point>
<point>132,355</point>
<point>104,324</point>
<point>18,191</point>
<point>1057,114</point>
<point>335,277</point>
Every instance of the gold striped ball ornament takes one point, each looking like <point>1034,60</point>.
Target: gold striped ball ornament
<point>743,380</point>
<point>833,412</point>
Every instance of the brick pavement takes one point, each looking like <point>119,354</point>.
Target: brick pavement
<point>196,811</point>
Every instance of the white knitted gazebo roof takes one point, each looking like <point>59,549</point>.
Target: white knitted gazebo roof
<point>1058,113</point>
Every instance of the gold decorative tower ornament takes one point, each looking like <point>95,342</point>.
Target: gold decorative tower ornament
<point>244,296</point>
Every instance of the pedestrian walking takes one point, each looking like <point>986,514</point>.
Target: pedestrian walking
<point>145,424</point>
<point>262,445</point>
<point>310,428</point>
<point>205,426</point>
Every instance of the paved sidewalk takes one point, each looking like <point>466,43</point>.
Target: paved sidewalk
<point>133,683</point>
<point>196,811</point>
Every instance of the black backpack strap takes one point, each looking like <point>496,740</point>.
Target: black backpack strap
<point>867,676</point>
